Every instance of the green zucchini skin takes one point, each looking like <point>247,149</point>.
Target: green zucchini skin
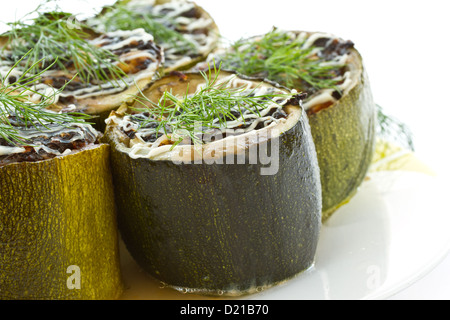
<point>222,228</point>
<point>344,136</point>
<point>55,214</point>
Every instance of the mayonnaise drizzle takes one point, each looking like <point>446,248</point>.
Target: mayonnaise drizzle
<point>139,146</point>
<point>345,81</point>
<point>171,12</point>
<point>7,150</point>
<point>47,137</point>
<point>109,41</point>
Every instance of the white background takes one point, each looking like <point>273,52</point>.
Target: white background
<point>406,51</point>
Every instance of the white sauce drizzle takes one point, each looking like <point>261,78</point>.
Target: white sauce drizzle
<point>172,12</point>
<point>110,41</point>
<point>52,132</point>
<point>6,150</point>
<point>347,80</point>
<point>140,147</point>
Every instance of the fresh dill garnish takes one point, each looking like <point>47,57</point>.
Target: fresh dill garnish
<point>210,107</point>
<point>392,129</point>
<point>18,112</point>
<point>54,39</point>
<point>121,16</point>
<point>280,58</point>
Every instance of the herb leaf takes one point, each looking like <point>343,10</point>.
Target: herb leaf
<point>210,107</point>
<point>54,40</point>
<point>280,58</point>
<point>164,30</point>
<point>17,111</point>
<point>392,129</point>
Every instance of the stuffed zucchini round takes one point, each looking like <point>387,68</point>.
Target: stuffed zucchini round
<point>185,31</point>
<point>58,228</point>
<point>93,71</point>
<point>339,104</point>
<point>231,208</point>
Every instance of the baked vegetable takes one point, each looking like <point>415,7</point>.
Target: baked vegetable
<point>339,104</point>
<point>185,31</point>
<point>201,205</point>
<point>58,229</point>
<point>97,71</point>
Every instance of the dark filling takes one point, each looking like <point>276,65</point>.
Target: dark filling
<point>130,67</point>
<point>331,49</point>
<point>142,119</point>
<point>192,13</point>
<point>140,45</point>
<point>60,140</point>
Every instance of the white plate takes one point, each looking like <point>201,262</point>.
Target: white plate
<point>393,232</point>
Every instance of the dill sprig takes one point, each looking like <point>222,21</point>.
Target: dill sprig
<point>208,108</point>
<point>121,16</point>
<point>280,58</point>
<point>54,39</point>
<point>392,129</point>
<point>18,112</point>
